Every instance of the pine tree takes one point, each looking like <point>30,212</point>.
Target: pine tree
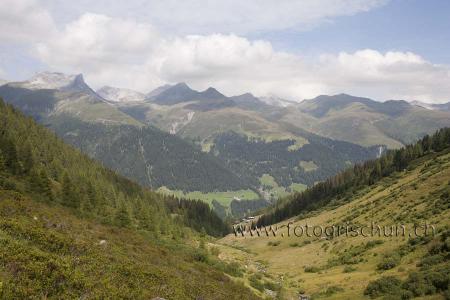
<point>122,218</point>
<point>46,187</point>
<point>69,196</point>
<point>27,159</point>
<point>10,153</point>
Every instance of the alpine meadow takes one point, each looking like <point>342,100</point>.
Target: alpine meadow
<point>206,150</point>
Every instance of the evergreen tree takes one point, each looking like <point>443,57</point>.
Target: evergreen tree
<point>122,218</point>
<point>26,159</point>
<point>46,187</point>
<point>69,196</point>
<point>10,154</point>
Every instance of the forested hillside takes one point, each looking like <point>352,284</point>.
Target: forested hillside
<point>343,184</point>
<point>35,162</point>
<point>285,161</point>
<point>149,156</point>
<point>141,153</point>
<point>386,239</point>
<point>70,228</point>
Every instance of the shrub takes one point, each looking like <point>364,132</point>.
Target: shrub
<point>312,269</point>
<point>256,283</point>
<point>348,269</point>
<point>389,261</point>
<point>431,260</point>
<point>233,268</point>
<point>383,286</point>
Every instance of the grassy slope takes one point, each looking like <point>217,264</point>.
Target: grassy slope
<point>47,252</point>
<point>356,123</point>
<point>405,198</point>
<point>56,252</point>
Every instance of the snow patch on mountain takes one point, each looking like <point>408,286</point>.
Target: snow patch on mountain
<point>50,80</point>
<point>114,94</point>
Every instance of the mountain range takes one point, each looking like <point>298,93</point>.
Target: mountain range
<point>186,140</point>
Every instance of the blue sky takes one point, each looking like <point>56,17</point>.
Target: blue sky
<point>296,49</point>
<point>420,26</point>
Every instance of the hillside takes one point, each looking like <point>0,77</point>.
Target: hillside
<point>384,264</point>
<point>65,217</point>
<point>217,148</point>
<point>149,156</point>
<point>364,121</point>
<point>248,138</point>
<point>67,105</point>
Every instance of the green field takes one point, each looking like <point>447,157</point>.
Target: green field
<point>274,191</point>
<point>308,166</point>
<point>224,198</point>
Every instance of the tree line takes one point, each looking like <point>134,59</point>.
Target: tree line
<point>352,179</point>
<point>35,162</point>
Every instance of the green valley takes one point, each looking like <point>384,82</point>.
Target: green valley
<point>383,265</point>
<point>71,228</point>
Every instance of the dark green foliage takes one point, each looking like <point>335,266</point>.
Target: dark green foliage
<point>243,208</point>
<point>70,197</point>
<point>122,218</point>
<point>384,285</point>
<point>353,255</point>
<point>252,158</point>
<point>389,261</point>
<point>34,160</point>
<point>352,179</point>
<point>432,277</point>
<point>47,252</point>
<point>198,215</point>
<point>149,156</point>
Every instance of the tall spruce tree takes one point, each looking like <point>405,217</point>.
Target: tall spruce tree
<point>69,195</point>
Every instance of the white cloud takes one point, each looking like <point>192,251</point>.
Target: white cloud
<point>112,51</point>
<point>105,49</point>
<point>124,52</point>
<point>394,75</point>
<point>24,21</point>
<point>207,17</point>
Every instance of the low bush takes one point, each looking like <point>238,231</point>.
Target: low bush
<point>311,269</point>
<point>389,261</point>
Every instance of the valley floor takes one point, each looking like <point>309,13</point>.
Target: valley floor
<point>341,267</point>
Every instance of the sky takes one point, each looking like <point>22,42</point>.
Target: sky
<point>295,49</point>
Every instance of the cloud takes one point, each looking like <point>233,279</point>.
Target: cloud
<point>207,17</point>
<point>394,74</point>
<point>24,21</point>
<point>126,52</point>
<point>105,49</point>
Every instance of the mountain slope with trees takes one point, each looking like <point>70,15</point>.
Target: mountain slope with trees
<point>70,228</point>
<point>378,231</point>
<point>355,178</point>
